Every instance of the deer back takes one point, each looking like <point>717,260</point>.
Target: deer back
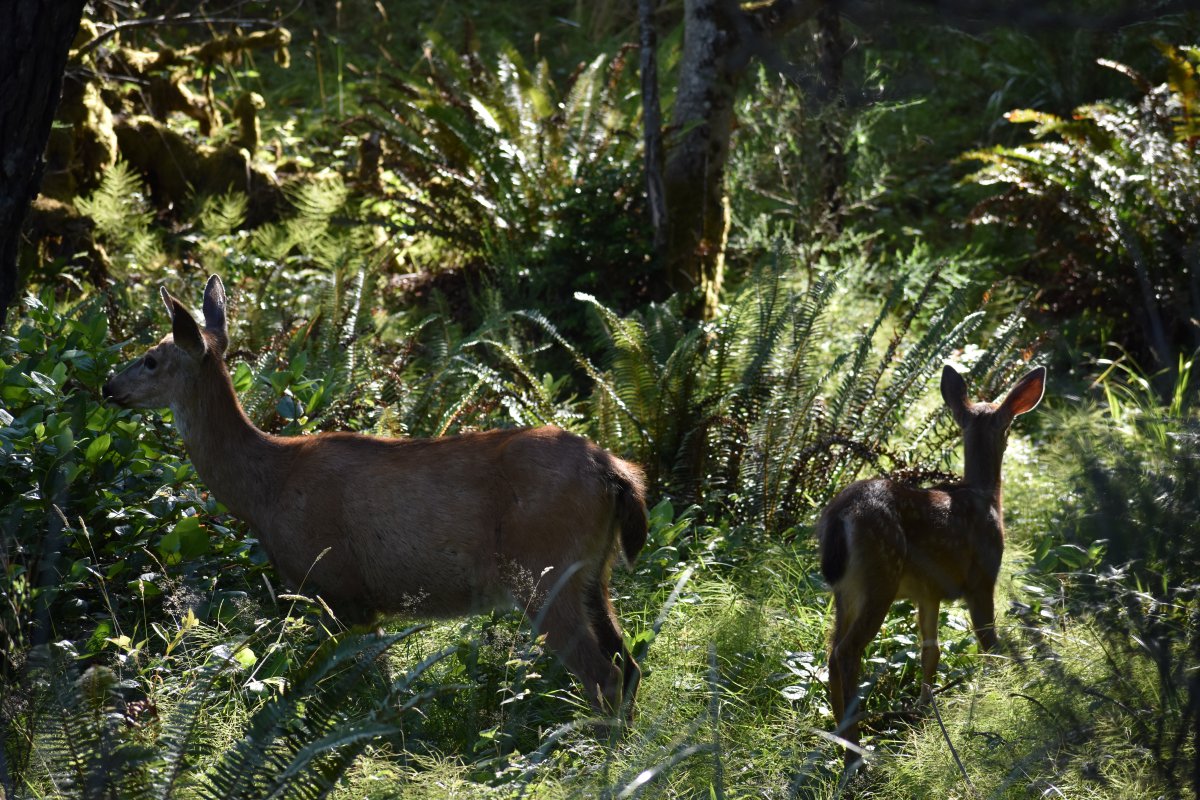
<point>444,526</point>
<point>933,542</point>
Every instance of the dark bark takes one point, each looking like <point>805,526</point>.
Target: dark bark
<point>652,117</point>
<point>719,41</point>
<point>35,38</point>
<point>829,94</point>
<point>694,177</point>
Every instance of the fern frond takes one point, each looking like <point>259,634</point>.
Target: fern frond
<point>222,215</point>
<point>601,382</point>
<point>313,705</point>
<point>122,213</point>
<point>541,403</point>
<point>183,726</point>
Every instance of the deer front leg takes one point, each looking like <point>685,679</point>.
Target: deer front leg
<point>927,622</point>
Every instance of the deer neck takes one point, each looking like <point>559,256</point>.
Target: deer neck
<point>981,469</point>
<point>240,464</point>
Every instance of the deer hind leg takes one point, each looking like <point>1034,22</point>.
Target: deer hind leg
<point>983,617</point>
<point>563,615</point>
<point>927,622</point>
<point>612,643</point>
<point>860,614</point>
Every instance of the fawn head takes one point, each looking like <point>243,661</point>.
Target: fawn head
<point>170,369</point>
<point>985,425</point>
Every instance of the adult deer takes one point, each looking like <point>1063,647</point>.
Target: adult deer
<point>881,540</point>
<point>435,527</point>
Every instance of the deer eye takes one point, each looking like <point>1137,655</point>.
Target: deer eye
<point>150,362</point>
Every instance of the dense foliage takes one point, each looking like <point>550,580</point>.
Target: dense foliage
<point>457,239</point>
<point>1119,178</point>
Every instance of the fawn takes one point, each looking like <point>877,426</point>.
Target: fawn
<point>435,527</point>
<point>881,540</point>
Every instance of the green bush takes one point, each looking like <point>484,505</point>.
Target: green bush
<point>99,514</point>
<point>538,184</point>
<point>1108,198</point>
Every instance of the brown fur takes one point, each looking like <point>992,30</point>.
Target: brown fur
<point>881,540</point>
<point>435,527</point>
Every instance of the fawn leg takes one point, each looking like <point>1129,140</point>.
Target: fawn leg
<point>927,621</point>
<point>983,618</point>
<point>841,622</point>
<point>854,631</point>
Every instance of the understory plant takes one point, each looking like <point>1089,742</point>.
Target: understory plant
<point>94,734</point>
<point>503,168</point>
<point>1108,197</point>
<point>752,413</point>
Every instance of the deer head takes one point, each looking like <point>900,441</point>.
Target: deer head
<point>985,425</point>
<point>171,369</point>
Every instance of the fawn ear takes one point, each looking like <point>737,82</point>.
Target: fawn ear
<point>214,312</point>
<point>954,392</point>
<point>183,328</point>
<point>1025,396</point>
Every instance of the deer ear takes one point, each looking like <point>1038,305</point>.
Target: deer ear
<point>185,331</point>
<point>167,301</point>
<point>1025,396</point>
<point>954,392</point>
<point>214,312</point>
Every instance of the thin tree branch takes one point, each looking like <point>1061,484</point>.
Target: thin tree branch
<point>154,22</point>
<point>950,744</point>
<point>216,17</point>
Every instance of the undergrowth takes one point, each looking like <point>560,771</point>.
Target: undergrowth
<point>147,650</point>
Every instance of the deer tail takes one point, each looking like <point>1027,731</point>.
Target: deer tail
<point>833,548</point>
<point>631,511</point>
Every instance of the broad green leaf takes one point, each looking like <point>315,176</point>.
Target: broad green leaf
<point>98,447</point>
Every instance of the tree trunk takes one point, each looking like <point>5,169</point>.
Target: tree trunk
<point>833,105</point>
<point>35,38</point>
<point>694,177</point>
<point>652,121</point>
<point>719,40</point>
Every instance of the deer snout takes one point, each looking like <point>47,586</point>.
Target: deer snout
<point>108,393</point>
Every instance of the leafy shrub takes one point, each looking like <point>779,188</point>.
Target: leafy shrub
<point>91,496</point>
<point>539,182</point>
<point>751,413</point>
<point>106,546</point>
<point>1109,199</point>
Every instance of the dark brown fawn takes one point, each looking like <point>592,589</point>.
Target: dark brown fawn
<point>881,540</point>
<point>433,527</point>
